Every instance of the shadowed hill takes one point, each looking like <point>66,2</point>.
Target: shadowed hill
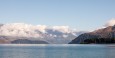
<point>26,41</point>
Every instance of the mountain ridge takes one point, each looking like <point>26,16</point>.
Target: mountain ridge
<point>108,32</point>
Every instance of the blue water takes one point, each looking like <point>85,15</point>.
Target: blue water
<point>57,51</point>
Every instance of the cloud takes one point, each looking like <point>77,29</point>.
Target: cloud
<point>42,28</point>
<point>52,34</point>
<point>28,30</point>
<point>110,22</point>
<point>63,29</point>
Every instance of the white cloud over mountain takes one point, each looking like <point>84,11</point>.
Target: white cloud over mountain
<point>52,34</point>
<point>28,30</point>
<point>110,22</point>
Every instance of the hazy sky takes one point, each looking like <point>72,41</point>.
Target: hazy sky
<point>80,14</point>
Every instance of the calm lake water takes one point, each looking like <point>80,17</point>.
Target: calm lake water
<point>57,51</point>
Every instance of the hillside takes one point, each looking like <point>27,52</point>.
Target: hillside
<point>104,35</point>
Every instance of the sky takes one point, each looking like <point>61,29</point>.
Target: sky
<point>79,14</point>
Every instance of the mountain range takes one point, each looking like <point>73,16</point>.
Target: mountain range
<point>21,32</point>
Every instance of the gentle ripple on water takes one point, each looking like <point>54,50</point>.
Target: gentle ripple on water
<point>57,51</point>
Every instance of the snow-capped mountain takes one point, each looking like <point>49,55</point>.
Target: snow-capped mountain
<point>51,34</point>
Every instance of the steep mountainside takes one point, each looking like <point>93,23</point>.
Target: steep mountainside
<point>105,33</point>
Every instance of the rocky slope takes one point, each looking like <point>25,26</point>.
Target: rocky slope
<point>107,33</point>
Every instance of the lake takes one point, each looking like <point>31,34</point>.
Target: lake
<point>56,51</point>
